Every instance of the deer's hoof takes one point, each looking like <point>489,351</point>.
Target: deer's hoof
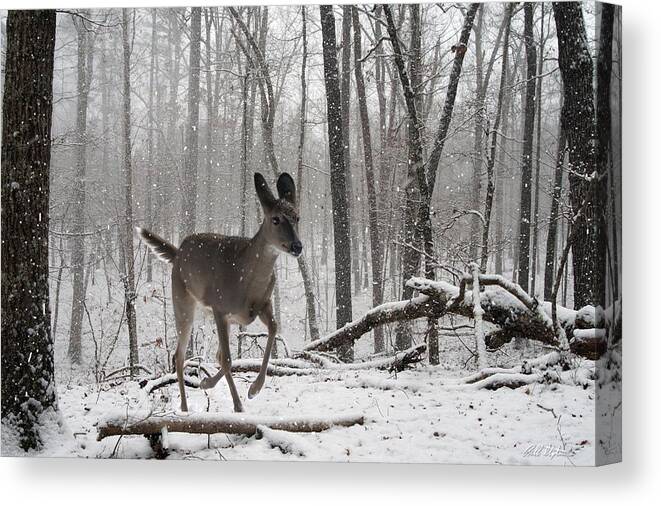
<point>206,383</point>
<point>254,389</point>
<point>238,409</point>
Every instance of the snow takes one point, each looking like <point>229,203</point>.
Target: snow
<point>426,414</point>
<point>414,417</point>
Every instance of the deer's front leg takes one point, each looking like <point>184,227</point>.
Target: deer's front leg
<point>266,315</point>
<point>225,357</point>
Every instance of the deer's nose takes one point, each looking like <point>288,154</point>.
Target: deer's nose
<point>296,248</point>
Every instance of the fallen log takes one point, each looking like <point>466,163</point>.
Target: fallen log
<point>506,306</point>
<point>121,424</point>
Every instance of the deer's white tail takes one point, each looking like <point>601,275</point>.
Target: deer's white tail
<point>165,251</point>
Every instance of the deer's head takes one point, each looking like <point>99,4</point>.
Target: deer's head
<point>280,226</point>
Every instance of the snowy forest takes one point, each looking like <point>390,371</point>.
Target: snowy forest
<point>400,222</point>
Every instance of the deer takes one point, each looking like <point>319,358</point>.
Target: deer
<point>233,277</point>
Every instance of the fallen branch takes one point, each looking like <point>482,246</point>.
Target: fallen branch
<point>306,363</point>
<point>120,424</point>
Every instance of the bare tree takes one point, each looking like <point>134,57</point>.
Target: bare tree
<point>495,132</point>
<point>149,211</point>
<point>538,154</point>
<point>302,262</point>
<point>189,196</point>
<point>482,78</point>
<point>604,150</point>
<point>127,169</point>
<point>526,157</point>
<point>554,216</point>
<point>375,240</point>
<point>416,189</point>
<point>84,78</point>
<point>338,177</point>
<point>585,194</point>
<point>28,388</point>
<point>345,93</point>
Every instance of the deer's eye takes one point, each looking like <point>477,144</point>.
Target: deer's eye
<point>275,220</point>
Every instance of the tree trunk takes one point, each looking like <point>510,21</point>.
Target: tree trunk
<point>302,263</point>
<point>28,383</point>
<point>502,173</point>
<point>345,93</point>
<point>604,149</point>
<point>551,238</point>
<point>149,211</point>
<point>174,43</point>
<point>211,115</point>
<point>84,77</point>
<point>189,197</point>
<point>478,128</point>
<point>416,181</point>
<point>588,250</point>
<point>526,158</point>
<point>129,278</point>
<point>538,156</point>
<point>451,95</point>
<point>494,142</point>
<point>338,177</point>
<point>375,239</point>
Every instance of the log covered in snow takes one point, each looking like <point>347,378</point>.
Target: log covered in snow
<point>120,423</point>
<point>504,304</point>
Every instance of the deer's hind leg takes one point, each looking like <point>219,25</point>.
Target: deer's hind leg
<point>225,357</point>
<point>184,313</point>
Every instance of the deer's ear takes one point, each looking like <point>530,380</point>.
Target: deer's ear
<point>287,188</point>
<point>264,194</point>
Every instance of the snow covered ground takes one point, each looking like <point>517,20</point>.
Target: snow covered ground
<point>420,415</point>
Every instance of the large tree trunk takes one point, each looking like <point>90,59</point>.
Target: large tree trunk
<point>375,240</point>
<point>28,388</point>
<point>525,202</point>
<point>586,196</point>
<point>84,77</point>
<point>604,150</point>
<point>338,177</point>
<point>129,273</point>
<point>191,149</point>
